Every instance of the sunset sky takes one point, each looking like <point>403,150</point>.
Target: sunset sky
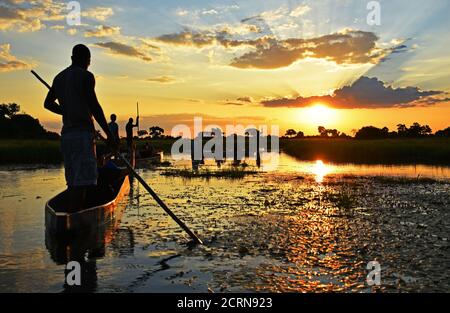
<point>250,62</point>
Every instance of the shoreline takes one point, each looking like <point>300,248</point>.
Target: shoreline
<point>421,151</point>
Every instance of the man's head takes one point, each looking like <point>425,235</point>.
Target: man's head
<point>131,120</point>
<point>81,56</point>
<point>113,117</point>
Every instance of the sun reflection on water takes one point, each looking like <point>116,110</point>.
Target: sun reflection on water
<point>320,170</point>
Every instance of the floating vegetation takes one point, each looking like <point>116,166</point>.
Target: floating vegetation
<point>165,164</point>
<point>406,180</point>
<point>342,198</point>
<point>232,173</point>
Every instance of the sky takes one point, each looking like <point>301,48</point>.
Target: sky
<point>295,64</point>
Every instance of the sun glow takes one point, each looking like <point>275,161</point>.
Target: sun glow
<point>320,115</point>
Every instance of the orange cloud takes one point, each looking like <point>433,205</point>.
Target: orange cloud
<point>351,47</point>
<point>8,62</point>
<point>162,79</point>
<point>30,16</point>
<point>268,52</point>
<point>102,31</point>
<point>98,13</point>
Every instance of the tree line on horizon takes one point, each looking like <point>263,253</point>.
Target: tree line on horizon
<point>15,125</point>
<point>416,130</point>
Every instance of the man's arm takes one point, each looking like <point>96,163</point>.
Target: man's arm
<point>137,122</point>
<point>50,103</point>
<point>95,106</point>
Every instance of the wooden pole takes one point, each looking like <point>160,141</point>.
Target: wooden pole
<point>159,201</point>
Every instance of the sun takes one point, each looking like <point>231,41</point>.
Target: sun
<point>319,115</point>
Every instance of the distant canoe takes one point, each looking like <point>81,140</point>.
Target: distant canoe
<point>101,209</point>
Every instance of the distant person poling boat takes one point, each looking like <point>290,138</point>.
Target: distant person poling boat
<point>114,128</point>
<point>129,131</point>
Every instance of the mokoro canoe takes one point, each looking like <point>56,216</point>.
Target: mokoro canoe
<point>101,209</point>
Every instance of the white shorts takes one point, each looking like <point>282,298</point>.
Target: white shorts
<point>80,162</point>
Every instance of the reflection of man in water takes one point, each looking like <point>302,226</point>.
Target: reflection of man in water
<point>74,88</point>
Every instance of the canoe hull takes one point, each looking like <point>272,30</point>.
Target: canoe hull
<point>69,223</point>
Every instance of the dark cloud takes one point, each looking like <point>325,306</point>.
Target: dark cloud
<point>239,101</point>
<point>188,38</point>
<point>364,93</point>
<point>118,48</point>
<point>245,99</point>
<point>9,13</point>
<point>162,79</point>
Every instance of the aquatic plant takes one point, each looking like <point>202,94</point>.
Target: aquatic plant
<point>232,173</point>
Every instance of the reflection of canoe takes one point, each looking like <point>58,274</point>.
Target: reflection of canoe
<point>88,246</point>
<point>91,243</point>
<point>101,209</point>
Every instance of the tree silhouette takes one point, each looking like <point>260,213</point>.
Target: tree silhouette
<point>322,131</point>
<point>142,133</point>
<point>300,134</point>
<point>328,132</point>
<point>156,131</point>
<point>21,126</point>
<point>443,133</point>
<point>291,133</point>
<point>371,132</point>
<point>9,110</point>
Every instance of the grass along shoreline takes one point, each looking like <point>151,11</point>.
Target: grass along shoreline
<point>429,151</point>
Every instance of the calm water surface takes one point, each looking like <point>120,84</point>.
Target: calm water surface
<point>296,226</point>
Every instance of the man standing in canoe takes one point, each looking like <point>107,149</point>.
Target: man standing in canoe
<point>114,128</point>
<point>74,88</point>
<point>129,130</point>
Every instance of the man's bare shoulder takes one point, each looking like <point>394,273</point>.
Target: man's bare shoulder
<point>62,74</point>
<point>90,75</point>
<point>83,72</point>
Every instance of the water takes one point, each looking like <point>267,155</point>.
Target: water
<point>300,226</point>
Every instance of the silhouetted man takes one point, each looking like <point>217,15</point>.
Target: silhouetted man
<point>114,128</point>
<point>74,88</point>
<point>129,130</point>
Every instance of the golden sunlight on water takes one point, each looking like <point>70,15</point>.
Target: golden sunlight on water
<point>283,163</point>
<point>320,170</point>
